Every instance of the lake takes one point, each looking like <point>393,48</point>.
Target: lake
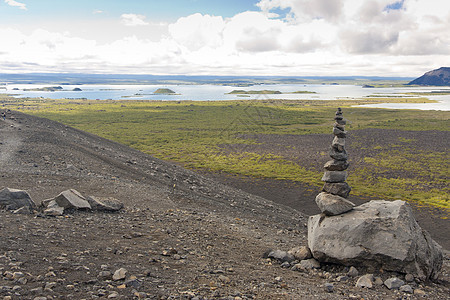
<point>220,92</point>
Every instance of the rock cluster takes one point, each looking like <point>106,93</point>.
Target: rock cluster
<point>20,201</point>
<point>378,234</point>
<point>332,200</point>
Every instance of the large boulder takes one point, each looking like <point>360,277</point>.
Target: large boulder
<point>377,234</point>
<point>72,199</point>
<point>13,199</point>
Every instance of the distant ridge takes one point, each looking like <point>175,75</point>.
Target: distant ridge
<point>438,77</point>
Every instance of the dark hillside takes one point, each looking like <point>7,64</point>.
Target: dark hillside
<point>438,77</point>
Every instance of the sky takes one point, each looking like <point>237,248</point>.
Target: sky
<point>225,37</point>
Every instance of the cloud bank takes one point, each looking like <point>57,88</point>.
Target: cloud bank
<point>282,37</point>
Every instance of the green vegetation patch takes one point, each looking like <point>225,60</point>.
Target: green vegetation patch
<point>213,135</point>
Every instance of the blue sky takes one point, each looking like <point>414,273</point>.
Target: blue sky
<point>232,37</point>
<point>158,10</point>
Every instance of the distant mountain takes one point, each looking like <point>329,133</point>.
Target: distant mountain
<point>438,77</point>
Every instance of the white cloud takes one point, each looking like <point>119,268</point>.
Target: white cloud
<point>197,31</point>
<point>97,11</point>
<point>133,20</point>
<point>16,4</point>
<point>314,38</point>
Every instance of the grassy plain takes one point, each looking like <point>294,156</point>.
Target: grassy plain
<point>194,133</point>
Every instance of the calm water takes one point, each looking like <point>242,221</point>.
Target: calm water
<point>217,92</point>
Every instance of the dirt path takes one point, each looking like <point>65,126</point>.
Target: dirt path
<point>9,141</point>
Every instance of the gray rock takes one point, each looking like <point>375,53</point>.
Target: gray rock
<point>334,176</point>
<point>406,289</point>
<point>333,205</point>
<point>338,143</point>
<point>341,121</point>
<point>24,210</point>
<point>329,287</point>
<point>337,188</point>
<point>105,275</point>
<point>338,155</point>
<point>104,203</point>
<point>120,274</point>
<point>301,253</point>
<point>13,199</point>
<point>281,256</point>
<point>353,272</point>
<point>365,281</point>
<point>53,209</point>
<point>409,278</point>
<point>336,165</point>
<point>342,278</point>
<point>376,234</point>
<point>310,264</point>
<point>72,199</point>
<point>339,133</point>
<point>393,283</point>
<point>378,281</point>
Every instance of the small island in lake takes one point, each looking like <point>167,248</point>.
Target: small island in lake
<point>164,92</point>
<point>45,89</point>
<point>242,92</point>
<point>77,90</point>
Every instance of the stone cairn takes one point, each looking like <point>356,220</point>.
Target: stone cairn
<point>332,200</point>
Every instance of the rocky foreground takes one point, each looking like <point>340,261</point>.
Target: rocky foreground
<point>179,235</point>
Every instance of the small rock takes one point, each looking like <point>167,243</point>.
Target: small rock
<point>419,292</point>
<point>133,282</point>
<point>378,281</point>
<point>342,278</point>
<point>335,176</point>
<point>393,283</point>
<point>406,289</point>
<point>353,272</point>
<point>37,290</point>
<point>105,275</point>
<point>50,285</point>
<point>120,274</point>
<point>333,205</point>
<point>310,264</point>
<point>281,256</point>
<point>409,278</point>
<point>22,280</point>
<point>53,209</point>
<point>337,188</point>
<point>24,210</point>
<point>329,287</point>
<point>301,253</point>
<point>17,275</point>
<point>336,165</point>
<point>8,275</point>
<point>365,281</point>
<point>113,295</point>
<point>224,279</point>
<point>285,265</point>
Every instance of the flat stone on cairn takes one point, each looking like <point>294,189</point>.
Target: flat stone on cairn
<point>332,199</point>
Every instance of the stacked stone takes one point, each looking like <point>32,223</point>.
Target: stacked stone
<point>332,200</point>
